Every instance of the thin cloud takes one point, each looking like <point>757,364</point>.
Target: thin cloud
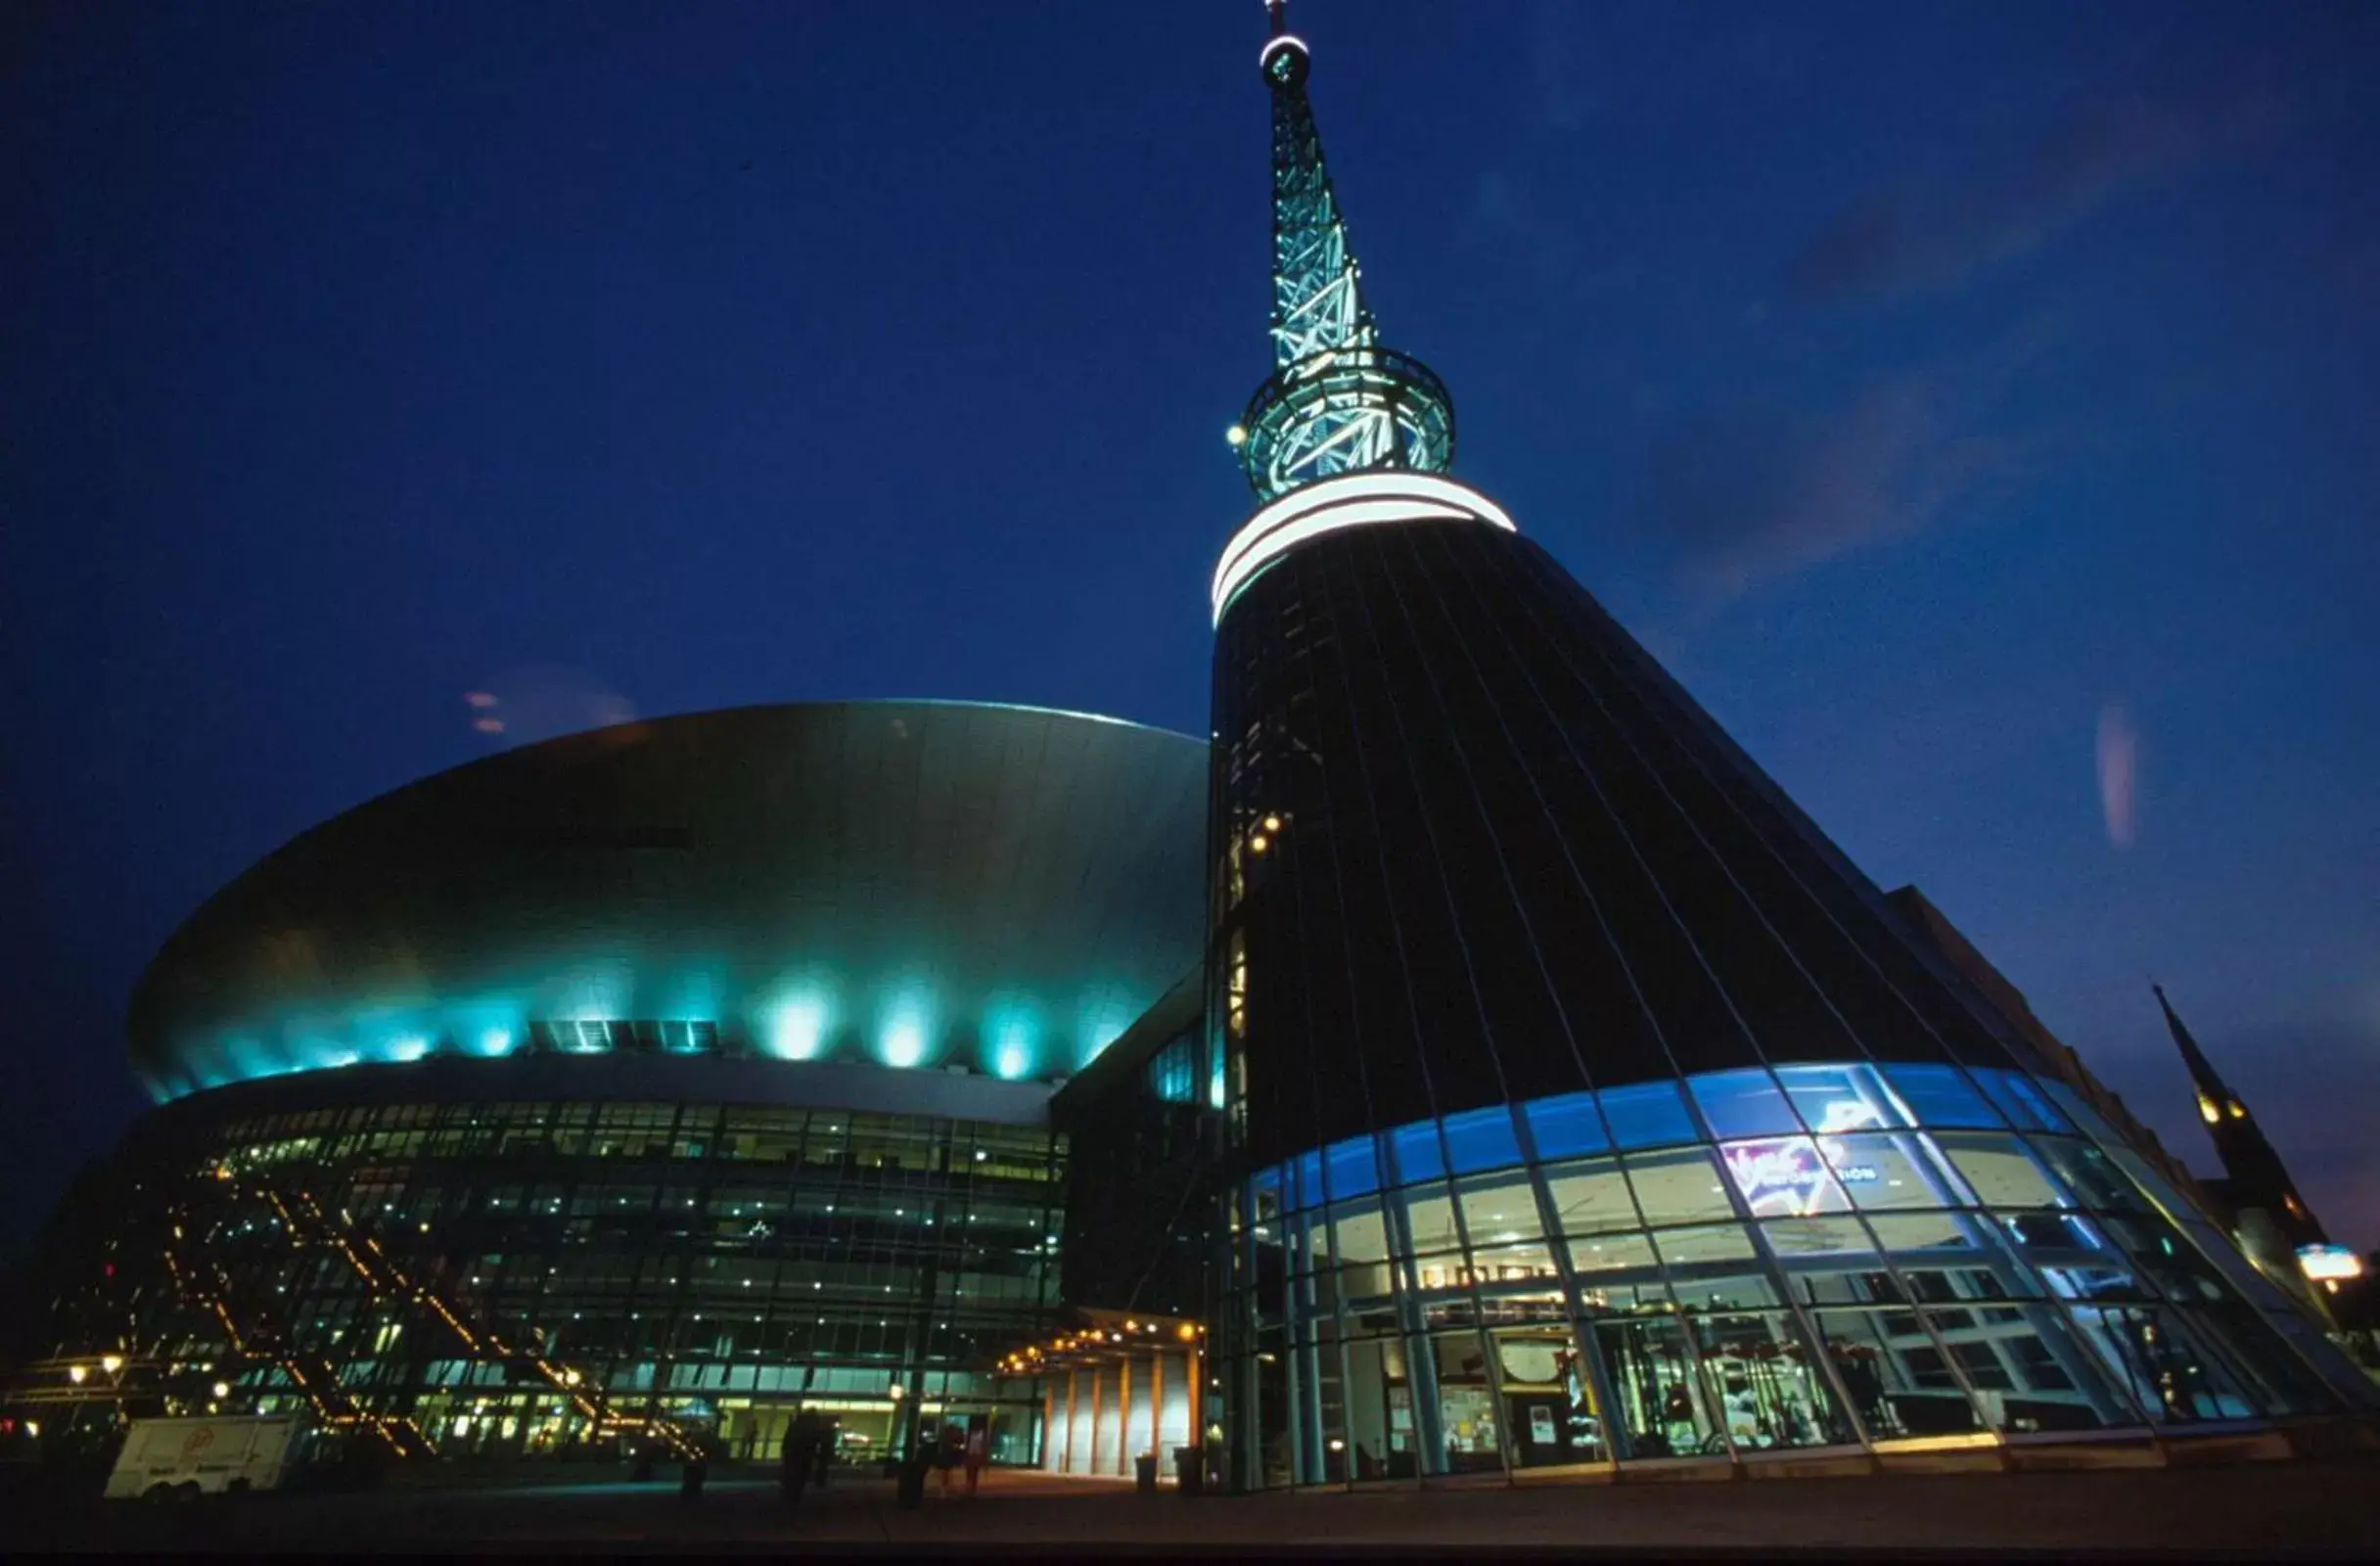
<point>1919,239</point>
<point>1751,495</point>
<point>2119,771</point>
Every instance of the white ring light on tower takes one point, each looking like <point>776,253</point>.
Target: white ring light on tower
<point>1376,498</point>
<point>1286,40</point>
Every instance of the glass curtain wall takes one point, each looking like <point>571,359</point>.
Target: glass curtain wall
<point>718,1264</point>
<point>1748,1265</point>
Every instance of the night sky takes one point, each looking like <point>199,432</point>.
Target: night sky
<point>1973,404</point>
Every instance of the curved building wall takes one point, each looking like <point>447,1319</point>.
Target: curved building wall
<point>1590,1108</point>
<point>594,1041</point>
<point>1473,847</point>
<point>908,883</point>
<point>678,1237</point>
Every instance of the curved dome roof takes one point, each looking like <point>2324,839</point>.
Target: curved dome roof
<point>907,883</point>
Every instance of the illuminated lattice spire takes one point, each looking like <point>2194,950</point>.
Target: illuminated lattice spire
<point>1337,401</point>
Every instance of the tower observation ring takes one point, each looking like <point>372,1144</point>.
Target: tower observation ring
<point>1344,410</point>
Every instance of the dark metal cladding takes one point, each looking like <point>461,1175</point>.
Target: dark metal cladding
<point>1513,858</point>
<point>926,884</point>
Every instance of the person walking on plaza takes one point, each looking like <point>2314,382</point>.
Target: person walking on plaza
<point>979,1451</point>
<point>798,1457</point>
<point>949,1452</point>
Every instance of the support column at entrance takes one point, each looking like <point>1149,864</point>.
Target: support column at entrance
<point>1124,1417</point>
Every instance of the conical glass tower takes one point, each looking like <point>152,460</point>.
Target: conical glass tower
<point>1587,1106</point>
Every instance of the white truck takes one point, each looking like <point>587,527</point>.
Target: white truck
<point>172,1460</point>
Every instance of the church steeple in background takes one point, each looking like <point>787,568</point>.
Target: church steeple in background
<point>2251,1168</point>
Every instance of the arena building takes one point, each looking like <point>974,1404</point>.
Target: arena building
<point>680,1070</point>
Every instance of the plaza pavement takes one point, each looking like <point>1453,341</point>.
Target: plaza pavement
<point>2314,1507</point>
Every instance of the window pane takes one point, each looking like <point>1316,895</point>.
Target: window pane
<point>1889,1171</point>
<point>1547,1399</point>
<point>2072,1257</point>
<point>1591,1198</point>
<point>2018,1097</point>
<point>2090,1175</point>
<point>2167,1376</point>
<point>1683,1186</point>
<point>1611,1253</point>
<point>1734,1291</point>
<point>1305,1187</point>
<point>1830,1241</point>
<point>2001,1171</point>
<point>1500,1211</point>
<point>1897,1380</point>
<point>1362,1234</point>
<point>1648,1115</point>
<point>1352,1168</point>
<point>1715,1242</point>
<point>1415,1152</point>
<point>1430,1219</point>
<point>1742,1103</point>
<point>1482,1138</point>
<point>1784,1177</point>
<point>1663,1410</point>
<point>1566,1126</point>
<point>1940,1096</point>
<point>1840,1098</point>
<point>1466,1408</point>
<point>1505,1266</point>
<point>1766,1385</point>
<point>2032,1372</point>
<point>2079,1111</point>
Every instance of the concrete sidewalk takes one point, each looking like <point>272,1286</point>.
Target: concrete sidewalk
<point>2314,1507</point>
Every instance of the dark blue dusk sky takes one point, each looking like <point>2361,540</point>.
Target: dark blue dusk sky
<point>1973,403</point>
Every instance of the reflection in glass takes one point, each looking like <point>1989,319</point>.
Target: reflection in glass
<point>1647,1114</point>
<point>1895,1377</point>
<point>2001,1170</point>
<point>1470,1431</point>
<point>1379,1410</point>
<point>1548,1403</point>
<point>2166,1374</point>
<point>1764,1380</point>
<point>1482,1139</point>
<point>1840,1098</point>
<point>2029,1370</point>
<point>1940,1096</point>
<point>1663,1410</point>
<point>1591,1198</point>
<point>1784,1177</point>
<point>1742,1103</point>
<point>1567,1125</point>
<point>1681,1186</point>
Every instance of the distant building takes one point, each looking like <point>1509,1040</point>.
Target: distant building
<point>2268,1217</point>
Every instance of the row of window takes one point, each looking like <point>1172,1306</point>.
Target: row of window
<point>833,1140</point>
<point>1800,1286</point>
<point>1764,1111</point>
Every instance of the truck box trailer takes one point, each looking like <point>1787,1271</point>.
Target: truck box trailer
<point>181,1458</point>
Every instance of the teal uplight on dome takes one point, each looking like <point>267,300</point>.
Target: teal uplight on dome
<point>796,1028</point>
<point>1103,1016</point>
<point>1012,1038</point>
<point>907,1029</point>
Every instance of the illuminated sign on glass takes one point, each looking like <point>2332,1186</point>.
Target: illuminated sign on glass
<point>2326,1263</point>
